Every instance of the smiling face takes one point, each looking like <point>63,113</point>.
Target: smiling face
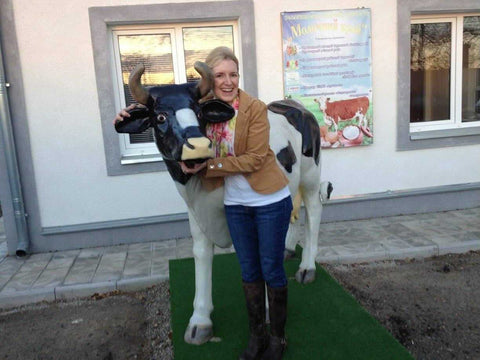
<point>226,78</point>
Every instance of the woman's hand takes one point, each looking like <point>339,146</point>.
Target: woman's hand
<point>196,168</point>
<point>124,113</point>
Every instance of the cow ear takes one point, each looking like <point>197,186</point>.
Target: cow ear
<point>216,111</point>
<point>138,122</point>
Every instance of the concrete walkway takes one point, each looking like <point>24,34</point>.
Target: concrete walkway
<point>79,273</point>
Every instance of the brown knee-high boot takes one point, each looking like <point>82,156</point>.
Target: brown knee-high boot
<point>277,310</point>
<point>255,299</point>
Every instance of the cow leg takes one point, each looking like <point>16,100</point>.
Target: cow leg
<point>294,228</point>
<point>293,234</point>
<point>200,327</point>
<point>335,123</point>
<point>361,120</point>
<point>313,214</point>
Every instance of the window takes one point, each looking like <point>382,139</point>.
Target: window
<point>438,73</point>
<point>104,20</point>
<point>444,82</point>
<point>168,53</point>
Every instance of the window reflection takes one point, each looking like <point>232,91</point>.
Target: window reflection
<point>430,72</point>
<point>471,69</point>
<point>199,41</point>
<point>155,52</point>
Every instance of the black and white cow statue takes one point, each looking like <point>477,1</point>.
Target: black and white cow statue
<point>177,118</point>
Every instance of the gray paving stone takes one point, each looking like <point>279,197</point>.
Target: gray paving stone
<point>21,281</point>
<point>165,244</point>
<point>116,249</point>
<point>66,254</point>
<point>50,278</point>
<point>38,257</point>
<point>140,247</point>
<point>8,268</point>
<point>419,241</point>
<point>91,252</point>
<point>431,227</point>
<point>160,267</point>
<point>35,266</point>
<point>10,265</point>
<point>164,253</point>
<point>82,270</point>
<point>137,265</point>
<point>392,245</point>
<point>399,230</point>
<point>327,254</point>
<point>111,267</point>
<point>184,248</point>
<point>4,278</point>
<point>60,262</point>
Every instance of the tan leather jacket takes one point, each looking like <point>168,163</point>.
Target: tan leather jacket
<point>253,156</point>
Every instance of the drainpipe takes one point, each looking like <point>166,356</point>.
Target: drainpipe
<point>6,135</point>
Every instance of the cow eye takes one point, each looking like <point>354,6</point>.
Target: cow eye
<point>162,118</point>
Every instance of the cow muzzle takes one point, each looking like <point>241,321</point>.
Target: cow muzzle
<point>197,148</point>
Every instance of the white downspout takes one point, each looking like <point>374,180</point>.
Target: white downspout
<point>6,136</point>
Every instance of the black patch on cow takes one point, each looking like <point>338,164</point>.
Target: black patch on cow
<point>287,157</point>
<point>304,121</point>
<point>176,172</point>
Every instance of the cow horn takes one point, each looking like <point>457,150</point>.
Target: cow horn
<point>206,82</point>
<point>136,89</point>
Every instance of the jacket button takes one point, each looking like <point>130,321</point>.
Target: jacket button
<point>219,165</point>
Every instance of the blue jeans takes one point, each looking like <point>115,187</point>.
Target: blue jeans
<point>258,234</point>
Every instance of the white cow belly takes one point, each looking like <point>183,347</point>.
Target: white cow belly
<point>207,208</point>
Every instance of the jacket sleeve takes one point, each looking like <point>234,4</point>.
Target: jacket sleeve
<point>254,139</point>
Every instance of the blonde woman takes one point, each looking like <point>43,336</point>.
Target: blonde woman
<point>257,204</point>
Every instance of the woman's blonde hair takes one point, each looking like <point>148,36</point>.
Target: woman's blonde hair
<point>219,54</point>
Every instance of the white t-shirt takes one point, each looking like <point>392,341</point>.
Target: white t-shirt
<point>239,192</point>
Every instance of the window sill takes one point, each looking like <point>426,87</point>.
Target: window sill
<point>437,134</point>
<point>137,164</point>
<point>140,159</point>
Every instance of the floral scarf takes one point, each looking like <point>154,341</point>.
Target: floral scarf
<point>222,135</point>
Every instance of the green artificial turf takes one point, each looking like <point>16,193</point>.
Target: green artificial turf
<point>324,321</point>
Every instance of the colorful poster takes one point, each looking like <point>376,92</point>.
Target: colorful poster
<point>327,67</point>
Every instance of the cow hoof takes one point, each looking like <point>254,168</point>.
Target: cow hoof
<point>305,276</point>
<point>288,254</point>
<point>198,335</point>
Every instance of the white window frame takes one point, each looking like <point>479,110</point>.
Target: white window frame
<point>148,152</point>
<point>455,120</point>
<point>103,18</point>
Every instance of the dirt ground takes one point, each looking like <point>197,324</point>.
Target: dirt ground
<point>431,306</point>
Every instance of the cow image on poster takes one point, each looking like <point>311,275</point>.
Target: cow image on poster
<point>178,120</point>
<point>343,110</point>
